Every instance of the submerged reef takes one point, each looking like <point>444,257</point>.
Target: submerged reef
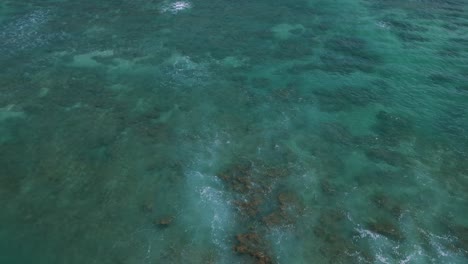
<point>135,131</point>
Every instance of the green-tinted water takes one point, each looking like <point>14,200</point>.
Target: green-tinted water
<point>139,131</point>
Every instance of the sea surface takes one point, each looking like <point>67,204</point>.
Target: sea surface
<point>268,131</point>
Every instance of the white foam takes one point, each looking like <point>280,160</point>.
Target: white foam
<point>176,7</point>
<point>213,211</point>
<point>283,241</point>
<point>438,241</point>
<point>183,70</point>
<point>25,33</point>
<point>379,244</point>
<point>210,209</point>
<point>383,25</point>
<point>364,233</point>
<point>382,259</point>
<point>385,250</point>
<point>413,256</point>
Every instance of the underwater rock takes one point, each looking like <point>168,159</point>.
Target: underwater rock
<point>250,206</point>
<point>395,24</point>
<point>375,176</point>
<point>290,205</point>
<point>368,141</point>
<point>290,208</point>
<point>243,179</point>
<point>392,127</point>
<point>252,245</point>
<point>239,80</point>
<point>461,232</point>
<point>346,97</point>
<point>239,178</point>
<point>165,221</point>
<point>357,96</point>
<point>83,87</point>
<point>260,82</point>
<point>336,133</point>
<point>334,242</point>
<point>248,238</point>
<point>327,187</point>
<point>293,49</point>
<point>274,219</point>
<point>153,113</point>
<point>286,198</point>
<point>386,203</point>
<point>239,181</point>
<point>147,207</point>
<point>275,172</point>
<point>158,131</point>
<point>388,156</point>
<point>386,228</point>
<point>351,46</point>
<point>255,184</point>
<point>14,168</point>
<point>300,68</point>
<point>331,219</point>
<point>337,63</point>
<point>287,94</point>
<point>348,54</point>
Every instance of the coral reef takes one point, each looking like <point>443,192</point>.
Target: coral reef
<point>251,244</point>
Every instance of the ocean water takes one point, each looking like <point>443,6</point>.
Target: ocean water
<point>300,131</point>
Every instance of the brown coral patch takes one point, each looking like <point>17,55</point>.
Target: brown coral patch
<point>252,245</point>
<point>386,228</point>
<point>249,207</point>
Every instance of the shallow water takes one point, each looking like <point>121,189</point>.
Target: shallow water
<point>137,131</point>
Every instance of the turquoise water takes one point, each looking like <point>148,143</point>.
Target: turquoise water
<point>138,131</point>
